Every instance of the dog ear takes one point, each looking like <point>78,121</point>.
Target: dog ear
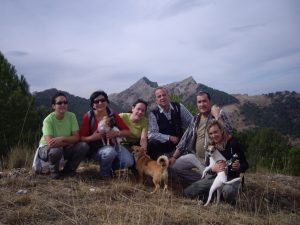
<point>134,148</point>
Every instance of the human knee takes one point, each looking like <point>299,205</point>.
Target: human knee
<point>55,154</point>
<point>127,161</point>
<point>82,148</point>
<point>194,190</point>
<point>230,193</point>
<point>107,153</point>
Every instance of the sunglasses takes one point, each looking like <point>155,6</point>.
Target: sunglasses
<point>99,100</point>
<point>62,102</point>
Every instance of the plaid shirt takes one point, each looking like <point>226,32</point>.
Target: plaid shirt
<point>188,141</point>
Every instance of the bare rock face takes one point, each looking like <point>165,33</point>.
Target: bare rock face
<point>142,89</point>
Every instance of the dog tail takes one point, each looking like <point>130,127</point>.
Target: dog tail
<point>163,161</point>
<point>233,180</point>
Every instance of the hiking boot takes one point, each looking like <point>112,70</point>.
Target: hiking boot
<point>105,178</point>
<point>54,175</point>
<point>68,173</point>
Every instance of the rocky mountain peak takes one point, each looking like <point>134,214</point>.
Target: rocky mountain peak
<point>189,80</point>
<point>146,81</point>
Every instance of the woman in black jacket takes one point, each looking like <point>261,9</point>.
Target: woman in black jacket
<point>228,147</point>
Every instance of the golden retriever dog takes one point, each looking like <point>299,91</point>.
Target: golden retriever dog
<point>158,169</point>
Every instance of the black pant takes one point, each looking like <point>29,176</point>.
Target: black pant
<point>156,148</point>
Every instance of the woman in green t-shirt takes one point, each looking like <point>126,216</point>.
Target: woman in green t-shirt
<point>60,140</point>
<point>138,124</point>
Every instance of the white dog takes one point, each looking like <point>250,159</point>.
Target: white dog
<point>106,125</point>
<point>221,178</point>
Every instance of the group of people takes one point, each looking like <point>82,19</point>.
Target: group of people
<point>170,129</point>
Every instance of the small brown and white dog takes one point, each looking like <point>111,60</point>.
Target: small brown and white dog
<point>221,178</point>
<point>105,125</point>
<point>158,169</point>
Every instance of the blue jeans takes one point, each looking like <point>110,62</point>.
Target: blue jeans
<point>113,158</point>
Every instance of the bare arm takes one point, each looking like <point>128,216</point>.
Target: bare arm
<point>94,137</point>
<point>175,155</point>
<point>143,141</point>
<point>55,142</point>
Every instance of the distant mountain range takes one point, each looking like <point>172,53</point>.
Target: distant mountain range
<point>280,110</point>
<point>186,90</point>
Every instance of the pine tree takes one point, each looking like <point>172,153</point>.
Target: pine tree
<point>18,119</point>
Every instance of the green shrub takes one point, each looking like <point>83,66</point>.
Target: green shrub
<point>294,160</point>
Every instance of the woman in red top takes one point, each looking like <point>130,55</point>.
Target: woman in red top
<point>110,157</point>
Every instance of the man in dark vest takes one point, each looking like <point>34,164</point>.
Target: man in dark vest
<point>166,124</point>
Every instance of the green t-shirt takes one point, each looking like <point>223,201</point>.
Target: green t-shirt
<point>135,128</point>
<point>57,128</point>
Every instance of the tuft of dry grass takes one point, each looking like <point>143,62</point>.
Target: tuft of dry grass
<point>27,198</point>
<point>18,157</point>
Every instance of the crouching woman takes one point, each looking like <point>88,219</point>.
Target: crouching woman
<point>110,157</point>
<point>228,147</point>
<point>60,139</point>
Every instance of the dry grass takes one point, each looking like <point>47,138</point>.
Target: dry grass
<point>36,199</point>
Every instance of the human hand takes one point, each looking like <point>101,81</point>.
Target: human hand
<point>174,139</point>
<point>97,135</point>
<point>236,165</point>
<point>219,166</point>
<point>172,160</point>
<point>56,142</point>
<point>215,111</point>
<point>112,133</point>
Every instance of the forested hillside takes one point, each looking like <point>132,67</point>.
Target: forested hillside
<point>76,104</point>
<point>283,114</point>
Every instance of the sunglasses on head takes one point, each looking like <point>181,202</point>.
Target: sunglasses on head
<point>62,102</point>
<point>99,100</point>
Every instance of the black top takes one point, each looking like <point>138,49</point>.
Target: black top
<point>233,147</point>
<point>171,127</point>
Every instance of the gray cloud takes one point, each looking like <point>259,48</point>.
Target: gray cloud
<point>247,27</point>
<point>235,46</point>
<point>16,53</point>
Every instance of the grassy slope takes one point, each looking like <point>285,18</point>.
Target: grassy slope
<point>266,199</point>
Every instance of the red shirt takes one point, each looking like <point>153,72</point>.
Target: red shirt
<point>84,128</point>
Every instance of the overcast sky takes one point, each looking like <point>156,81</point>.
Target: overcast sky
<point>237,46</point>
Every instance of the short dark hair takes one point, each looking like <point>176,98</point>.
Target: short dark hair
<point>204,93</point>
<point>140,101</point>
<point>95,95</point>
<point>57,94</point>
